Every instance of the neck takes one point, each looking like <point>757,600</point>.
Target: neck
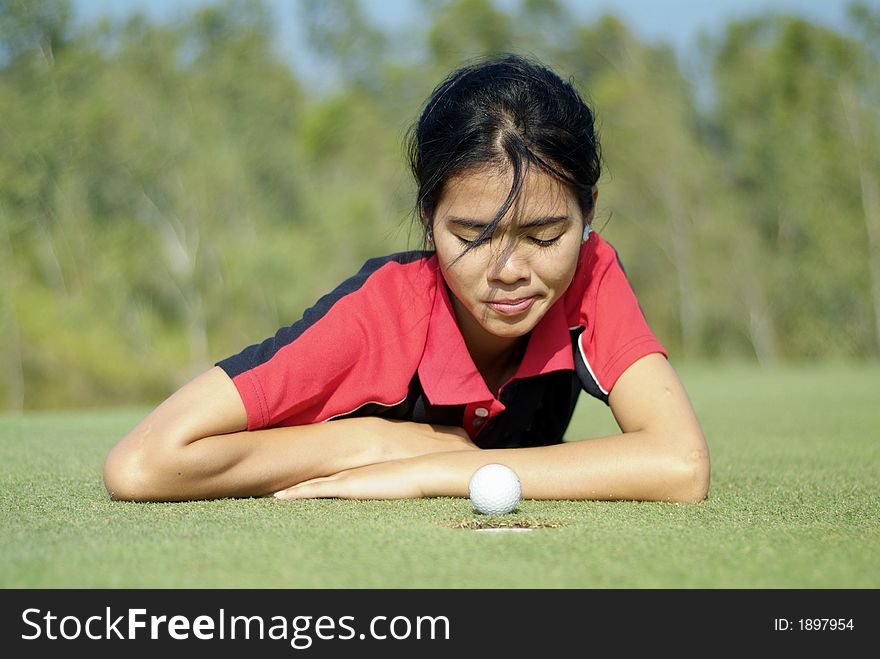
<point>496,357</point>
<point>499,368</point>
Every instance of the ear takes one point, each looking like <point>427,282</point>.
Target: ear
<point>589,218</point>
<point>426,224</point>
<point>426,219</point>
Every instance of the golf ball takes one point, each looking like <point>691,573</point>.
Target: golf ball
<point>494,489</point>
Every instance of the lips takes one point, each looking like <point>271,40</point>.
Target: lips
<point>512,307</point>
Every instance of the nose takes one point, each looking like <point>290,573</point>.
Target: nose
<point>508,265</point>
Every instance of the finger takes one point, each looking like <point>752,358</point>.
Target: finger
<point>310,489</point>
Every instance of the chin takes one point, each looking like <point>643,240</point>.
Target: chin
<point>512,329</point>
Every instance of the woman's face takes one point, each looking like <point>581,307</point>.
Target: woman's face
<point>503,287</point>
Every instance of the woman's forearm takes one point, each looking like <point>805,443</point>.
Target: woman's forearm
<point>260,462</point>
<point>634,466</point>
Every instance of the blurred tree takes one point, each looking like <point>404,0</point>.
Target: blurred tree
<point>339,32</point>
<point>465,29</point>
<point>788,146</point>
<point>33,30</point>
<point>860,98</point>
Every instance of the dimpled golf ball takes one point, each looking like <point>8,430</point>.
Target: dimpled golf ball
<point>494,489</point>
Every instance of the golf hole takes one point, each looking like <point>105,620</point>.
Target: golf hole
<point>502,525</point>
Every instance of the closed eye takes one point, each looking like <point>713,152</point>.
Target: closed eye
<point>545,243</point>
<point>535,241</point>
<point>469,243</point>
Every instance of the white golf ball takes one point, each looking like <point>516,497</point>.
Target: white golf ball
<point>494,489</point>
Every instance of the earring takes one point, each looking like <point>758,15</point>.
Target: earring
<point>587,231</point>
<point>429,237</point>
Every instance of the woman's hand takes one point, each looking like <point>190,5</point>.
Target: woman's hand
<point>397,472</point>
<point>398,479</point>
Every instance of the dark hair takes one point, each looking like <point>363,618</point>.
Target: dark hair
<point>504,111</point>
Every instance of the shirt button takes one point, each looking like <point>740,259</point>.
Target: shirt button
<point>477,422</point>
<point>481,411</point>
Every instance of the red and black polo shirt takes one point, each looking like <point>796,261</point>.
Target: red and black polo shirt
<point>386,343</point>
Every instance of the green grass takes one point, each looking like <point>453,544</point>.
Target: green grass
<point>794,503</point>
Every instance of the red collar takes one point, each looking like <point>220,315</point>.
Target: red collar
<point>447,372</point>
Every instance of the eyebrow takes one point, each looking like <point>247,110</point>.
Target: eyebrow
<point>470,223</point>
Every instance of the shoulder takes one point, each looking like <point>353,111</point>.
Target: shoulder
<point>360,342</point>
<point>414,268</point>
<point>410,261</point>
<point>404,280</point>
<point>613,330</point>
<point>387,297</point>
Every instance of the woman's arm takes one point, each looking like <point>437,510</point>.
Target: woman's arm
<point>195,446</point>
<point>661,455</point>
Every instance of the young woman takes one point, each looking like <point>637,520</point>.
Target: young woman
<point>427,365</point>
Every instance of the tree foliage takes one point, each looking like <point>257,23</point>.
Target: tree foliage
<point>171,192</point>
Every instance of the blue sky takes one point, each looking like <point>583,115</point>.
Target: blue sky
<point>677,22</point>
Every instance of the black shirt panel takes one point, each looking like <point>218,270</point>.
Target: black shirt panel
<point>537,411</point>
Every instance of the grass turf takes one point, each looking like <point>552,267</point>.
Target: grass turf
<point>794,503</point>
